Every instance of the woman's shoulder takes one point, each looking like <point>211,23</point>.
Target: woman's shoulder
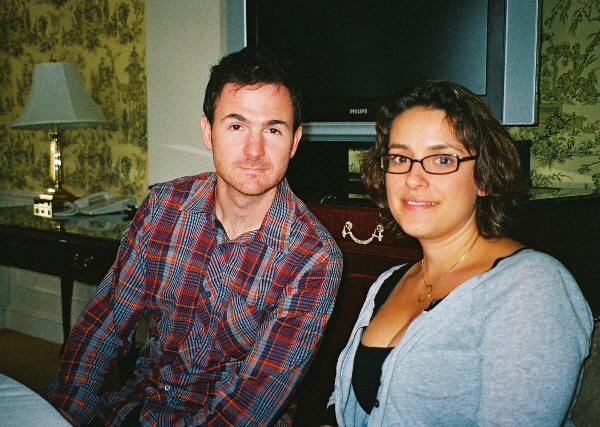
<point>528,268</point>
<point>534,281</point>
<point>528,261</point>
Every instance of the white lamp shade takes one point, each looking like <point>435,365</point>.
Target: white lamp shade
<point>58,100</point>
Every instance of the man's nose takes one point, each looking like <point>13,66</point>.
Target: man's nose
<point>255,145</point>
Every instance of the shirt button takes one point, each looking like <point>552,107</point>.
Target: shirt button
<point>376,404</point>
<point>167,387</point>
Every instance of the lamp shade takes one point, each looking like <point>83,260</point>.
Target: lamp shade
<point>58,100</point>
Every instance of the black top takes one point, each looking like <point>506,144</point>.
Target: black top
<point>366,372</point>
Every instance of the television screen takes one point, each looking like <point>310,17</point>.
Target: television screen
<point>349,55</point>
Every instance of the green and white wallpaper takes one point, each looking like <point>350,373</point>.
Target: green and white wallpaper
<point>565,148</point>
<point>106,41</point>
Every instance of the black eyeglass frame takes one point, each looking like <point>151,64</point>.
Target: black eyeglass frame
<point>459,160</point>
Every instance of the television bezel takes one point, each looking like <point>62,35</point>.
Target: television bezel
<point>511,70</point>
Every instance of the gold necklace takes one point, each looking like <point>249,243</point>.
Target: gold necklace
<point>428,287</point>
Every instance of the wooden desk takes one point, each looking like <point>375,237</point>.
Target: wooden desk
<point>78,248</point>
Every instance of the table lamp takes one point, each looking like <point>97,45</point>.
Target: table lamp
<point>57,100</point>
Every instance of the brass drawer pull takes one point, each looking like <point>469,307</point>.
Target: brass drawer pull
<point>82,262</point>
<point>378,234</point>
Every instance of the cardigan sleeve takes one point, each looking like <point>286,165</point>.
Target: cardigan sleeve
<point>532,348</point>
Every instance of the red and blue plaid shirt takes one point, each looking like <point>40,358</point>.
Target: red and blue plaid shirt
<point>233,323</point>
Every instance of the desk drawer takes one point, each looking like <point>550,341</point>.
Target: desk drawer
<point>65,256</point>
<point>363,254</point>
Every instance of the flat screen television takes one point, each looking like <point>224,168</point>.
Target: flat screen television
<point>350,55</point>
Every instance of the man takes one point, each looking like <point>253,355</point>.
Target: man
<point>236,276</point>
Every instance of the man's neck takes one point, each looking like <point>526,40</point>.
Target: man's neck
<point>239,213</point>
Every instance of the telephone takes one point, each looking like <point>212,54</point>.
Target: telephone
<point>100,203</point>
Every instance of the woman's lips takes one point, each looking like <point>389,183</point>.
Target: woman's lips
<point>418,204</point>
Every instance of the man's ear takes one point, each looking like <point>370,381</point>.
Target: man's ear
<point>206,132</point>
<point>481,193</point>
<point>297,137</point>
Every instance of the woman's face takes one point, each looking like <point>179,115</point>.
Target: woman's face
<point>430,207</point>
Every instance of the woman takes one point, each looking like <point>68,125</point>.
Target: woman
<point>482,330</point>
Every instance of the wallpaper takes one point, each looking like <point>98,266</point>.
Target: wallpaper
<point>105,39</point>
<point>565,148</point>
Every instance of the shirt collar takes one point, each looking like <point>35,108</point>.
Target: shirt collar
<point>275,228</point>
<point>202,195</point>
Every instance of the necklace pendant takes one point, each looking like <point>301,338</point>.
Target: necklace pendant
<point>425,292</point>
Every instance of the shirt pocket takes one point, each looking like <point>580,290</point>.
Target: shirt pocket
<point>174,306</point>
<point>240,326</point>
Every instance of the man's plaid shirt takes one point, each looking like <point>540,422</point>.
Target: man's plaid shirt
<point>233,323</point>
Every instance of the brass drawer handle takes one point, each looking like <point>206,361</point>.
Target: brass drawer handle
<point>81,262</point>
<point>377,234</point>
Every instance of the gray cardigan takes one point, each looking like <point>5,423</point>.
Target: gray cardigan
<point>505,347</point>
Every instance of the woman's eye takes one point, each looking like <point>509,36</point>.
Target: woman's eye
<point>444,159</point>
<point>399,159</point>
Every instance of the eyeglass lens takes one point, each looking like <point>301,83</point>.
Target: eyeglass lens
<point>437,163</point>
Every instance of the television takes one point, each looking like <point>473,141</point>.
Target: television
<point>348,56</point>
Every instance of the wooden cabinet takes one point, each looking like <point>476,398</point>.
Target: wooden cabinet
<point>363,263</point>
<point>566,228</point>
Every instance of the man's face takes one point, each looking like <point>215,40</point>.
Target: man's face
<point>252,138</point>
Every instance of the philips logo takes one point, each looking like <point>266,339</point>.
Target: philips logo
<point>358,111</point>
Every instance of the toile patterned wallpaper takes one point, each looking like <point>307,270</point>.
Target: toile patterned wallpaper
<point>565,148</point>
<point>105,39</point>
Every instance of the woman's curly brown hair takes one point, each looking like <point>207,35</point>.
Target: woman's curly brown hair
<point>497,169</point>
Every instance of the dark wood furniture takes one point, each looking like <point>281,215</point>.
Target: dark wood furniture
<point>565,227</point>
<point>79,248</point>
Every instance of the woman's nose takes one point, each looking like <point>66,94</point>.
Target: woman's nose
<point>416,176</point>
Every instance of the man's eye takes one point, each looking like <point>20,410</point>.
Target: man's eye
<point>235,127</point>
<point>274,131</point>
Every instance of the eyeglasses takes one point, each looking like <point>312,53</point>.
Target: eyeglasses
<point>436,164</point>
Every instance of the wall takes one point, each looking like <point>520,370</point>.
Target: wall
<point>106,40</point>
<point>30,303</point>
<point>183,40</point>
<point>566,143</point>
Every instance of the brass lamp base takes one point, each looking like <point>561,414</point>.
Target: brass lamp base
<point>58,196</point>
<point>55,198</point>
